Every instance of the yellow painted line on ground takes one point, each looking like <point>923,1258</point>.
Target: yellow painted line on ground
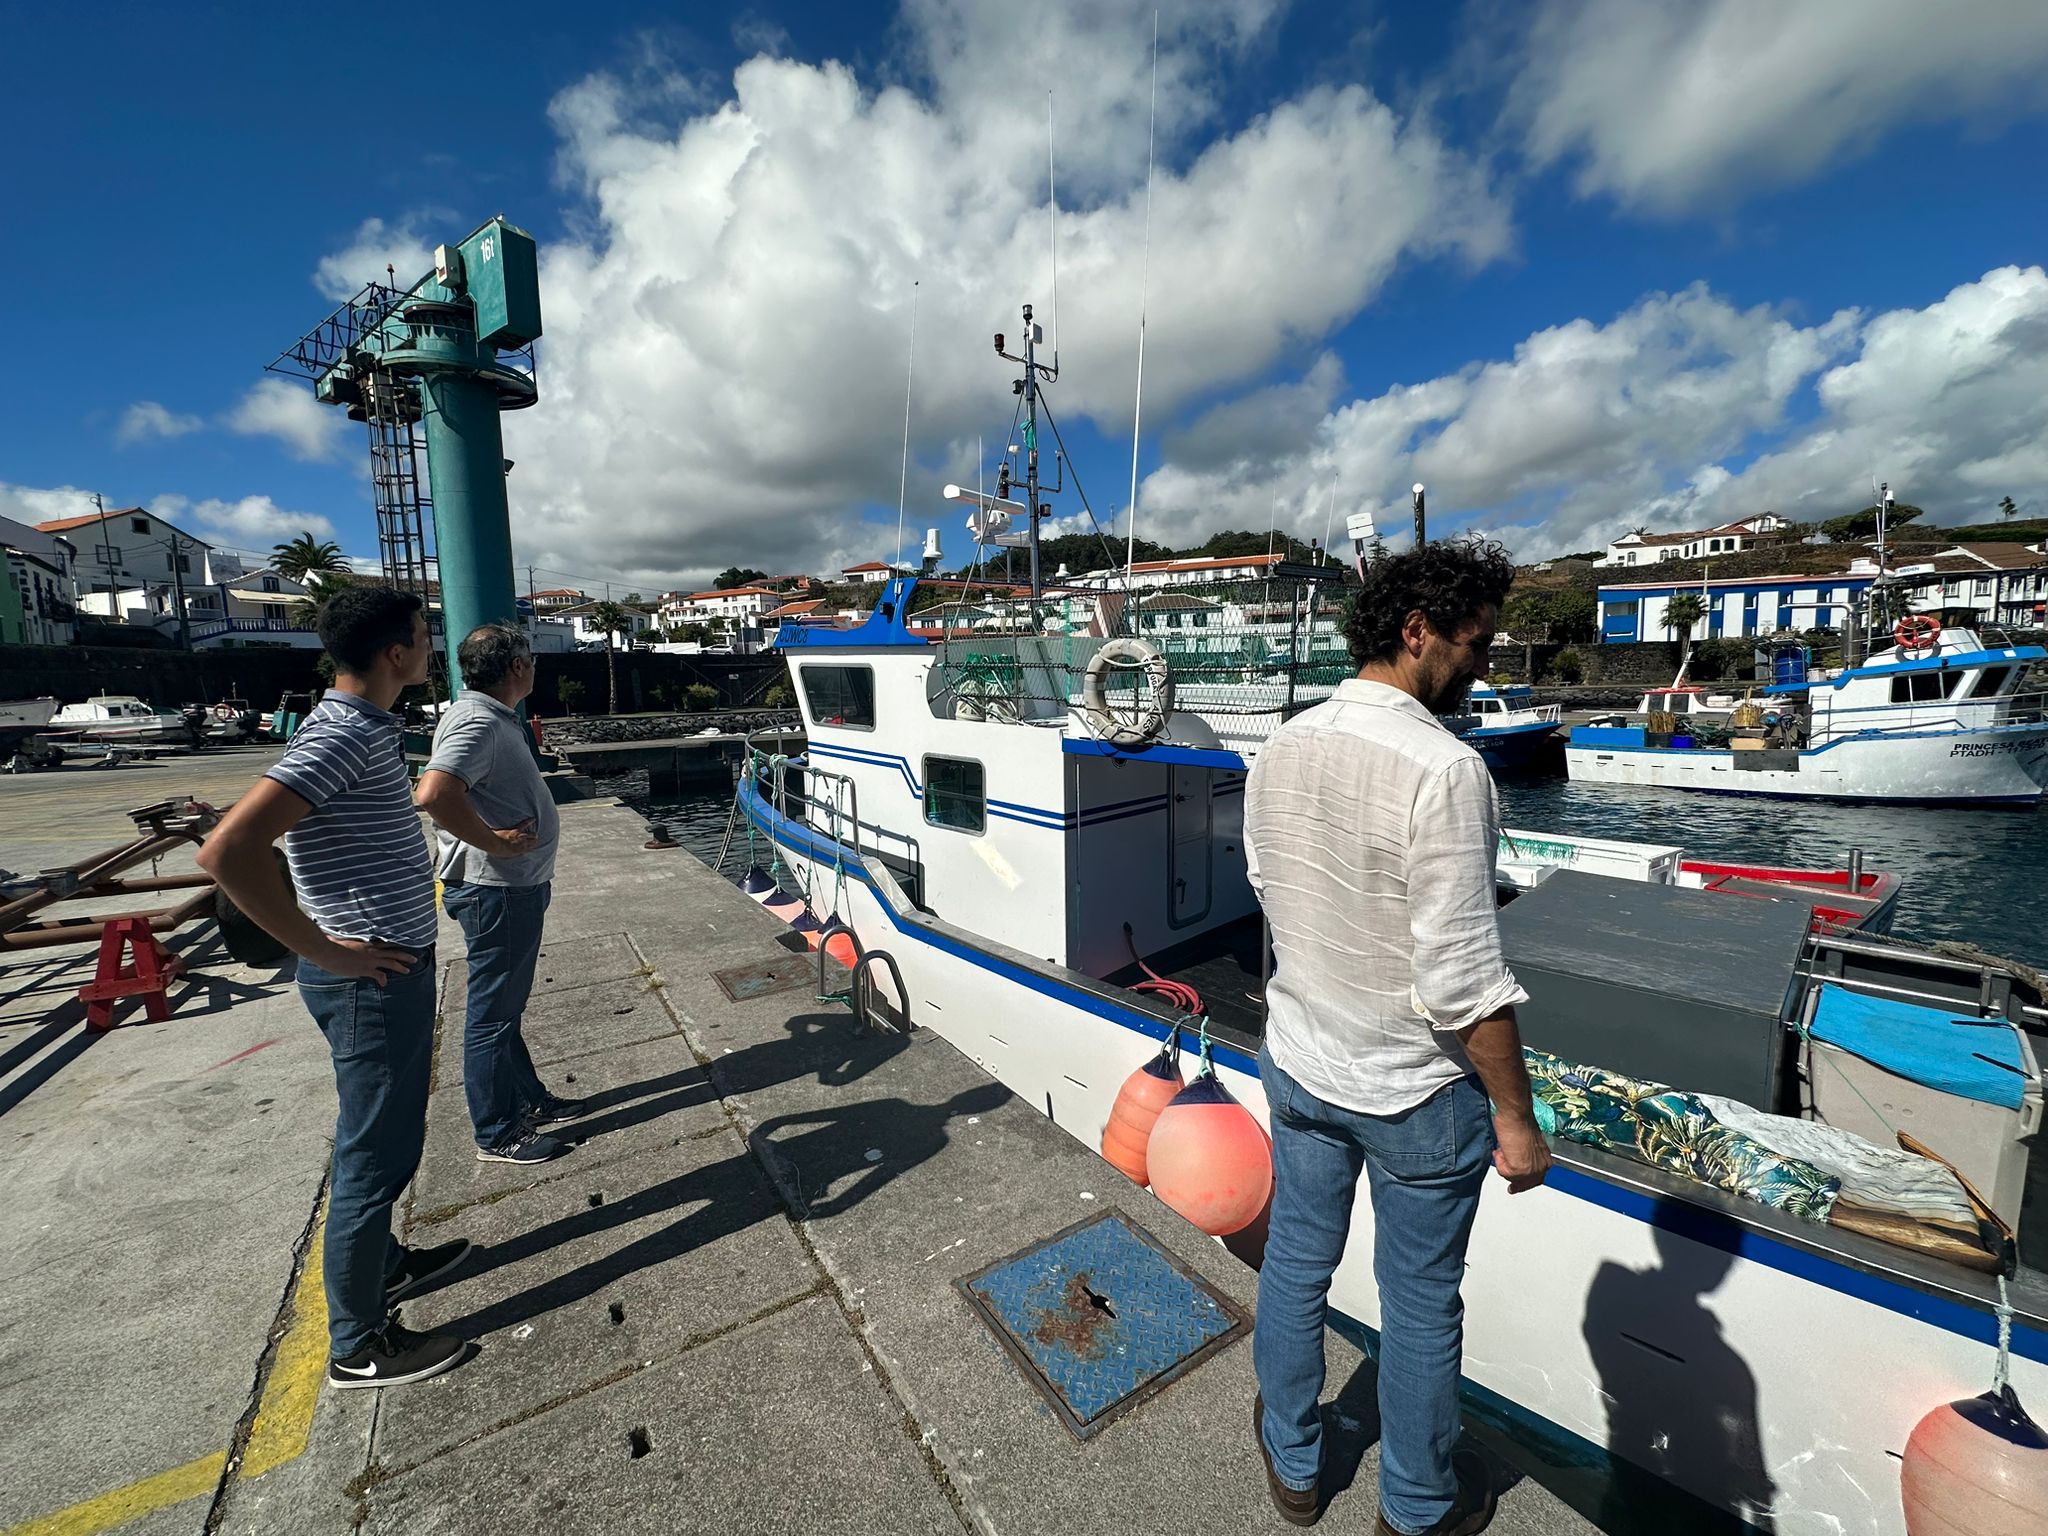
<point>284,1418</point>
<point>132,1502</point>
<point>284,1424</point>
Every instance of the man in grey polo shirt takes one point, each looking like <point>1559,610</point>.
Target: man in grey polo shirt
<point>496,860</point>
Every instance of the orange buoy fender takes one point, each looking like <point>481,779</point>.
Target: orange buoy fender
<point>1976,1467</point>
<point>784,905</point>
<point>840,948</point>
<point>1209,1159</point>
<point>1144,1094</point>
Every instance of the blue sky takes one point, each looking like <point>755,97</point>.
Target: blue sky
<point>1577,264</point>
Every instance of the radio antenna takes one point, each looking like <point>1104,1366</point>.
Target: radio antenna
<point>1144,290</point>
<point>903,477</point>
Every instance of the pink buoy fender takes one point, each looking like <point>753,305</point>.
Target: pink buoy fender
<point>783,904</point>
<point>1144,1094</point>
<point>1976,1467</point>
<point>1209,1159</point>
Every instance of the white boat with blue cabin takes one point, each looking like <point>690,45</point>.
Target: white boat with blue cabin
<point>1016,854</point>
<point>1939,718</point>
<point>1504,724</point>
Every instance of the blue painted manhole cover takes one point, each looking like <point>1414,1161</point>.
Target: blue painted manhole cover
<point>1100,1317</point>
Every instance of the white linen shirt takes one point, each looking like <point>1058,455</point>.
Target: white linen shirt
<point>1370,834</point>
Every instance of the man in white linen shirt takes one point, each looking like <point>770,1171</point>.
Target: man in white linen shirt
<point>1370,833</point>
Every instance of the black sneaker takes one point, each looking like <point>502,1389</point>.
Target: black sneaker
<point>396,1356</point>
<point>420,1267</point>
<point>526,1147</point>
<point>556,1110</point>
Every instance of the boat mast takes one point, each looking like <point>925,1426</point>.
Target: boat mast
<point>1034,371</point>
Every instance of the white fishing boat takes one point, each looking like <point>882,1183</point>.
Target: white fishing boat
<point>26,714</point>
<point>1015,853</point>
<point>1939,718</point>
<point>122,719</point>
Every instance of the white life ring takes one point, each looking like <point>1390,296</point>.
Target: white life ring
<point>1123,654</point>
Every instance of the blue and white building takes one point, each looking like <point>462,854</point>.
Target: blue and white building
<point>1735,606</point>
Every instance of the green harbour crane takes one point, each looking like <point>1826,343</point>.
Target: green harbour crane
<point>428,369</point>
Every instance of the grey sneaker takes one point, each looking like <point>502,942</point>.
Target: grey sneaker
<point>528,1146</point>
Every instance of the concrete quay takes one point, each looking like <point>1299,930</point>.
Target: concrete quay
<point>731,1309</point>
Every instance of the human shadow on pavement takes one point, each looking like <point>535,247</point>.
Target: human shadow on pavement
<point>732,1194</point>
<point>825,1045</point>
<point>849,1151</point>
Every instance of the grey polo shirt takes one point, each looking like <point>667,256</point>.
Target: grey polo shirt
<point>482,743</point>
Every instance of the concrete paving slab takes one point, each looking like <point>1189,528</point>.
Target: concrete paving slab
<point>777,1429</point>
<point>569,960</point>
<point>157,1183</point>
<point>643,1097</point>
<point>599,1017</point>
<point>595,1274</point>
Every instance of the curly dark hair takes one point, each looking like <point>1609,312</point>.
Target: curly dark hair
<point>1450,581</point>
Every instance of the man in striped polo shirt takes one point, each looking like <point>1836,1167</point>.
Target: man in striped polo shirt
<point>363,927</point>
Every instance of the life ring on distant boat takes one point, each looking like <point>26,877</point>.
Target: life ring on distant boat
<point>1122,655</point>
<point>1917,632</point>
<point>225,712</point>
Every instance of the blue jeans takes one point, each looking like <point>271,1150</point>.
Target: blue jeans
<point>1425,1169</point>
<point>502,924</point>
<point>382,1039</point>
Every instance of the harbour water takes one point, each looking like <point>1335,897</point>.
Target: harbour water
<point>1975,876</point>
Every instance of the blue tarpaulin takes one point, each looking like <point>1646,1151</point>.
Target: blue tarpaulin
<point>1977,1058</point>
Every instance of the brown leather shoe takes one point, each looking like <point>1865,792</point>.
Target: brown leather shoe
<point>1297,1506</point>
<point>1470,1513</point>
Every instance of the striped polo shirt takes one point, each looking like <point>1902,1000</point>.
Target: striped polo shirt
<point>359,860</point>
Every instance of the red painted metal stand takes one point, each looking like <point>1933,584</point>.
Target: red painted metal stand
<point>149,977</point>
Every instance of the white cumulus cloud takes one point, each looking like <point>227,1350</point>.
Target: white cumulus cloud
<point>1681,412</point>
<point>249,522</point>
<point>398,245</point>
<point>288,412</point>
<point>722,372</point>
<point>146,419</point>
<point>1671,104</point>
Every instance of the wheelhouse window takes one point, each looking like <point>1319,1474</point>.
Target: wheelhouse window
<point>1993,681</point>
<point>1924,687</point>
<point>955,794</point>
<point>840,695</point>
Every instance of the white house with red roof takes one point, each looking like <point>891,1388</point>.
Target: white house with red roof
<point>1700,544</point>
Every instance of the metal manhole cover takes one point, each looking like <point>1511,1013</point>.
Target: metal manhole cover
<point>1100,1317</point>
<point>784,974</point>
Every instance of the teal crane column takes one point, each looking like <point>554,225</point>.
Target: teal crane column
<point>484,295</point>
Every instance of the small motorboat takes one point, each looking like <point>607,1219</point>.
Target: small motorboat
<point>123,719</point>
<point>1504,724</point>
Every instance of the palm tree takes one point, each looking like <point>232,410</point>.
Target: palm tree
<point>1681,613</point>
<point>2008,508</point>
<point>305,555</point>
<point>320,586</point>
<point>612,619</point>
